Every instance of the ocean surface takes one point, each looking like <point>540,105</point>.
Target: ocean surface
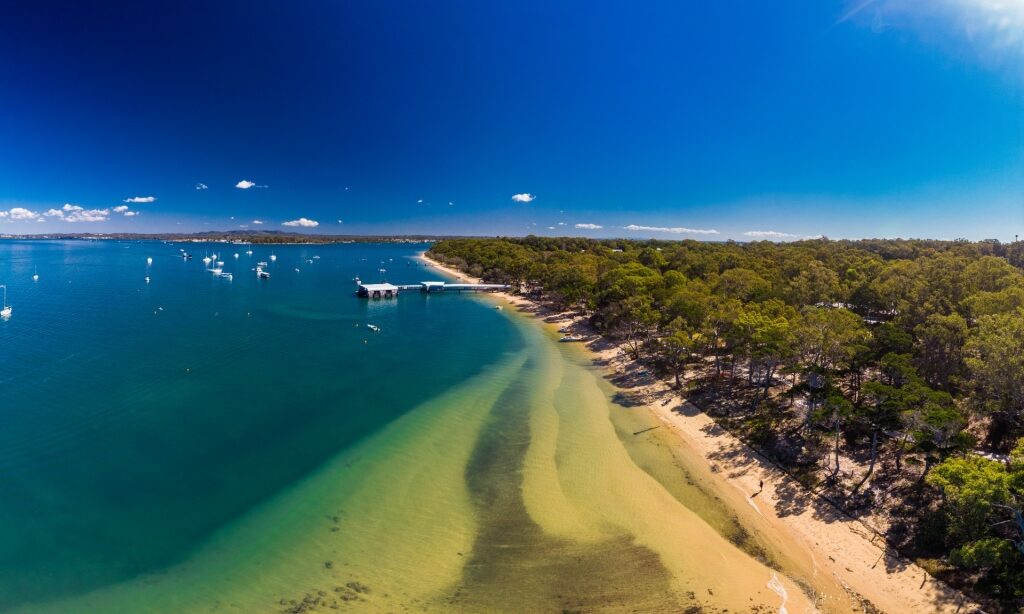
<point>194,444</point>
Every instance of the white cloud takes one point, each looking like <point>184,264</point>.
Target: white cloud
<point>768,234</point>
<point>202,186</point>
<point>419,201</point>
<point>130,213</point>
<point>561,223</point>
<point>303,222</point>
<point>257,222</point>
<point>589,226</point>
<point>450,203</point>
<point>551,227</point>
<point>20,214</point>
<point>74,213</point>
<point>120,208</point>
<point>140,199</point>
<point>525,197</point>
<point>990,30</point>
<point>245,184</point>
<point>340,222</point>
<point>676,230</point>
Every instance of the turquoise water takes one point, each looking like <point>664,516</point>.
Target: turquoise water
<point>199,445</point>
<point>139,420</point>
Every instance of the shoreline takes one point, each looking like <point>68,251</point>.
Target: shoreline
<point>846,549</point>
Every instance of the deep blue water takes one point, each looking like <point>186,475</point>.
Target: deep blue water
<point>136,419</point>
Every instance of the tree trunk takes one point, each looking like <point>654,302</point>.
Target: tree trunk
<point>871,465</point>
<point>835,471</point>
<point>899,452</point>
<point>768,380</point>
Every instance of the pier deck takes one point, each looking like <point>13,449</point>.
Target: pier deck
<point>386,290</point>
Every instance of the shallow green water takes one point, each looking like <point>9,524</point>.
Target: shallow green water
<point>253,447</point>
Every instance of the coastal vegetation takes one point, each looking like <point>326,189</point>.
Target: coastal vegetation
<point>885,375</point>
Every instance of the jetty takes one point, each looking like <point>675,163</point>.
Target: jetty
<point>386,290</point>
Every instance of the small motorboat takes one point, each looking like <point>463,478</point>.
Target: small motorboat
<point>5,309</point>
<point>147,280</point>
<point>227,276</point>
<point>262,274</point>
<point>149,260</point>
<point>248,252</point>
<point>261,264</point>
<point>373,327</point>
<point>571,338</point>
<point>236,255</point>
<point>273,257</point>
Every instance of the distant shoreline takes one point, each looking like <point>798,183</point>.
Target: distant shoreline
<point>259,238</point>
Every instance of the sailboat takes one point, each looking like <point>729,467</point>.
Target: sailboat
<point>6,310</point>
<point>35,275</point>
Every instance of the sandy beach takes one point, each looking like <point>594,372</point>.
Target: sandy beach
<point>808,528</point>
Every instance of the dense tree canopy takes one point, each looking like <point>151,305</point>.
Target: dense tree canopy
<point>880,368</point>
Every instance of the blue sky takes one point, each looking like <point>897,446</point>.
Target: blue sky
<point>656,119</point>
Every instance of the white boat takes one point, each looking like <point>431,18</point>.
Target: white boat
<point>316,257</point>
<point>220,263</point>
<point>261,264</point>
<point>273,257</point>
<point>296,269</point>
<point>262,274</point>
<point>227,276</point>
<point>207,260</point>
<point>248,252</point>
<point>35,275</point>
<point>373,327</point>
<point>236,255</point>
<point>147,280</point>
<point>217,270</point>
<point>149,260</point>
<point>6,310</point>
<point>571,338</point>
<point>309,262</point>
